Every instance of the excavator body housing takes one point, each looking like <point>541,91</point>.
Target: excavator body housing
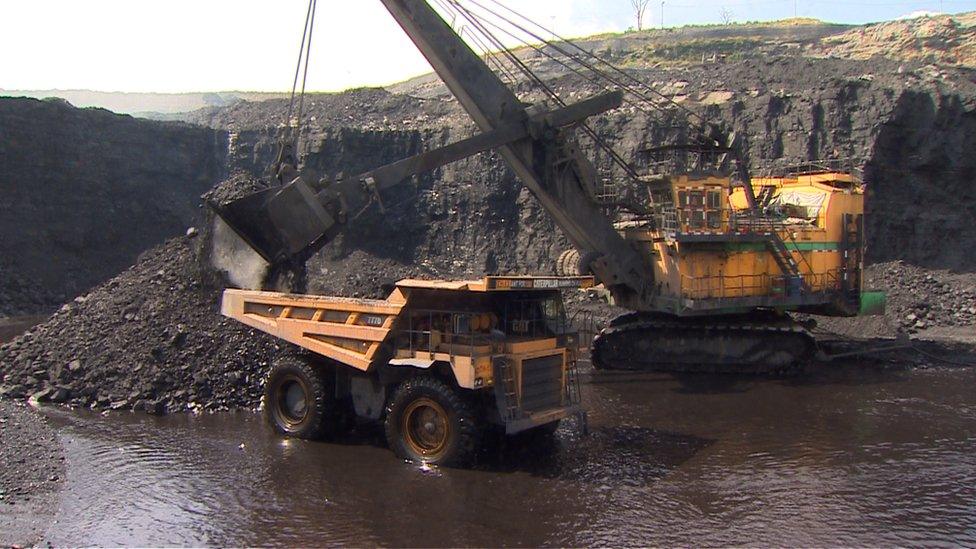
<point>711,255</point>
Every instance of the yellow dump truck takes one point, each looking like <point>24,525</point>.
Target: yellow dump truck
<point>439,362</point>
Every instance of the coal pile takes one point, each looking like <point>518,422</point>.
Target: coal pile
<point>918,299</point>
<point>150,339</point>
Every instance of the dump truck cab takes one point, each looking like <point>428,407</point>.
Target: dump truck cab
<point>438,361</point>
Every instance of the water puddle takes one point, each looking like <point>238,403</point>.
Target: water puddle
<point>855,457</point>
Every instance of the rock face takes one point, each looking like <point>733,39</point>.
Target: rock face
<point>946,39</point>
<point>85,191</point>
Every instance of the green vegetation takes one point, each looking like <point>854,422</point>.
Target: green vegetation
<point>779,23</point>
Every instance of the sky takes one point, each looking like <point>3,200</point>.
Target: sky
<point>252,45</point>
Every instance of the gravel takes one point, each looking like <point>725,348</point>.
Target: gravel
<point>30,452</point>
<point>32,475</point>
<point>923,303</point>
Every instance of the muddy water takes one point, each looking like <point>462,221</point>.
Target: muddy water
<point>854,458</point>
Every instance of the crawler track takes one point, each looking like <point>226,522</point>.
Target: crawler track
<point>754,344</point>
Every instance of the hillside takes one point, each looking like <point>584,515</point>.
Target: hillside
<point>940,39</point>
<point>147,105</point>
<point>944,40</point>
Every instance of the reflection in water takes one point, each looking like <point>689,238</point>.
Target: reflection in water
<point>841,458</point>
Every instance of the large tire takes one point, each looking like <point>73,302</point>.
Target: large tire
<point>299,398</point>
<point>428,421</point>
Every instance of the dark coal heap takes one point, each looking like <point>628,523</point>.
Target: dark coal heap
<point>151,339</point>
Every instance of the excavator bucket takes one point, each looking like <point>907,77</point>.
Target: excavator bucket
<point>280,223</point>
<point>248,217</point>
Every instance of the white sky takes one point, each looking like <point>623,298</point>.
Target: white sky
<point>251,45</point>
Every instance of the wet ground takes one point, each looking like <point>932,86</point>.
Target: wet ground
<point>849,457</point>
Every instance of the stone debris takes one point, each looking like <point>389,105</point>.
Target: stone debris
<point>918,298</point>
<point>33,462</point>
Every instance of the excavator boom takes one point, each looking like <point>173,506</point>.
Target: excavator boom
<point>287,224</point>
<point>567,195</point>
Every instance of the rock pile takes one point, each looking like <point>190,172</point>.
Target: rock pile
<point>918,299</point>
<point>151,339</point>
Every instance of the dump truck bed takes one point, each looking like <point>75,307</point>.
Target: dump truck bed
<point>346,330</point>
<point>351,330</point>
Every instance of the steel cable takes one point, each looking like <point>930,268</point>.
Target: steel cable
<point>479,24</point>
<point>298,66</point>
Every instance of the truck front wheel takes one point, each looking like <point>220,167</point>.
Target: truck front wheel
<point>428,421</point>
<point>299,398</point>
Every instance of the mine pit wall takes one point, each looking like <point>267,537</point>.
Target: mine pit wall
<point>922,177</point>
<point>85,191</point>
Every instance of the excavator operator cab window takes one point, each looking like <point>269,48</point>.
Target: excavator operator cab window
<point>714,219</point>
<point>715,200</point>
<point>692,207</point>
<point>700,209</point>
<point>690,200</point>
<point>713,215</point>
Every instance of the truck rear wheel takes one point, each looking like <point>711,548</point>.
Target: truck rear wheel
<point>429,421</point>
<point>299,398</point>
